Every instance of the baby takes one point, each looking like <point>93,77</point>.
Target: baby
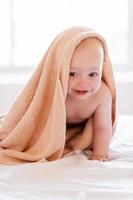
<point>68,104</point>
<point>89,96</point>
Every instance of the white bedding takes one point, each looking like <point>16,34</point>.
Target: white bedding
<point>75,177</point>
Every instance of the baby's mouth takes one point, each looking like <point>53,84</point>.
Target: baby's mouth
<point>81,91</point>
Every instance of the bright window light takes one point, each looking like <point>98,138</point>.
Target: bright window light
<point>28,27</point>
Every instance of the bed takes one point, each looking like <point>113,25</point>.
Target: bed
<point>74,177</point>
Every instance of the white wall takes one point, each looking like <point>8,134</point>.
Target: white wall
<point>125,97</point>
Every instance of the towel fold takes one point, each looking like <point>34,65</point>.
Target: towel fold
<point>34,130</point>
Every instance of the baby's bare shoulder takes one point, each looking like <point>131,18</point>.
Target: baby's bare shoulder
<point>104,92</point>
<point>101,98</point>
<point>103,95</point>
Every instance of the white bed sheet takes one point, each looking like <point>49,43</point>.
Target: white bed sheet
<point>75,177</point>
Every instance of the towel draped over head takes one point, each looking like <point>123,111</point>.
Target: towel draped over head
<point>35,126</point>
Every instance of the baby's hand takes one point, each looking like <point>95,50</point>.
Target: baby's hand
<point>66,151</point>
<point>100,158</point>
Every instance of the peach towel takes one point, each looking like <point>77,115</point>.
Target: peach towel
<point>36,124</point>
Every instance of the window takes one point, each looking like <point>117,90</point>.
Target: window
<point>29,26</point>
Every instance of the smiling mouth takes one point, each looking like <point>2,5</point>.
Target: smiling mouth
<point>81,91</point>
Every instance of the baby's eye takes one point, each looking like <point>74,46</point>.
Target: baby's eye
<point>93,74</point>
<point>73,74</point>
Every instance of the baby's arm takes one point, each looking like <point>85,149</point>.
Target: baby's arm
<point>102,126</point>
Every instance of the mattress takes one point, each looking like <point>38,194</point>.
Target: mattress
<point>75,177</point>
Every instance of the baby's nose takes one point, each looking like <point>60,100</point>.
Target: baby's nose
<point>84,82</point>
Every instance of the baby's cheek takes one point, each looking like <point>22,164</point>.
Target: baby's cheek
<point>97,85</point>
<point>71,83</point>
<point>99,81</point>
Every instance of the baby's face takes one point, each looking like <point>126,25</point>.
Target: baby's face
<point>86,69</point>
